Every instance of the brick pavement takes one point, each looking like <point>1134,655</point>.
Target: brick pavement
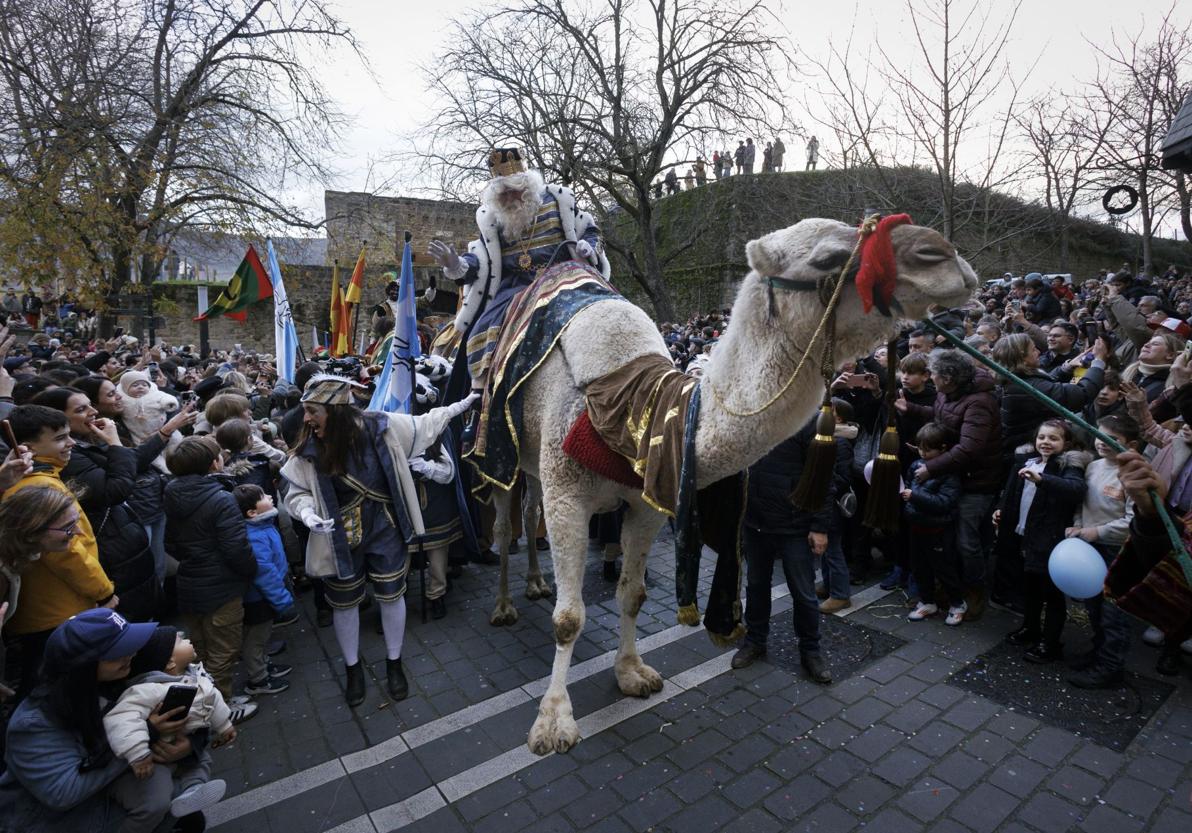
<point>893,747</point>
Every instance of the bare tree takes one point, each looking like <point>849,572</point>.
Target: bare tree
<point>1141,84</point>
<point>141,119</point>
<point>948,109</point>
<point>604,95</point>
<point>1064,138</point>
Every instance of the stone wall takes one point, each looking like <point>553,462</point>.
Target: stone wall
<point>355,219</point>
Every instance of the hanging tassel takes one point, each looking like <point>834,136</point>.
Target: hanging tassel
<point>883,506</point>
<point>819,465</point>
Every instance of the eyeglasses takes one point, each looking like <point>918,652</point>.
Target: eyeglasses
<point>69,529</point>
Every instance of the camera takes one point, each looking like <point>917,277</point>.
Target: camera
<point>348,367</point>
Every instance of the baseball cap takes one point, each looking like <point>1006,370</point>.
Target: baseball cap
<point>94,635</point>
<point>1179,327</point>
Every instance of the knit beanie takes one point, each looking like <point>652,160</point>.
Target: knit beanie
<point>130,376</point>
<point>155,656</point>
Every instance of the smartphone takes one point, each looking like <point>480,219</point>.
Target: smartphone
<point>119,331</point>
<point>10,438</point>
<point>178,696</point>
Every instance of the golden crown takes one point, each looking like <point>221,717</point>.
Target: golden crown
<point>505,161</point>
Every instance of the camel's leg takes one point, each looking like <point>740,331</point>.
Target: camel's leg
<point>567,523</point>
<point>536,586</point>
<point>638,531</point>
<point>504,613</point>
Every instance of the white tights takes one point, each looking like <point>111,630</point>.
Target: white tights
<point>347,629</point>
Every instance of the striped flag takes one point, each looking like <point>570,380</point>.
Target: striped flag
<point>395,386</point>
<point>285,336</point>
<point>248,285</point>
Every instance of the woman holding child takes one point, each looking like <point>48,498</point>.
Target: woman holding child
<point>62,776</point>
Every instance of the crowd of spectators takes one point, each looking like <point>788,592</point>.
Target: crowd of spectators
<point>983,459</point>
<point>143,484</point>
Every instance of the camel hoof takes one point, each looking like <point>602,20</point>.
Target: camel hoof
<point>504,614</point>
<point>538,588</point>
<point>553,733</point>
<point>638,680</point>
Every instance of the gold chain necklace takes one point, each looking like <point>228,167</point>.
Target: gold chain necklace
<point>524,260</point>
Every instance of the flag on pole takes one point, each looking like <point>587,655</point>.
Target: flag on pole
<point>315,341</point>
<point>339,335</point>
<point>249,285</point>
<point>395,387</point>
<point>356,285</point>
<point>285,336</point>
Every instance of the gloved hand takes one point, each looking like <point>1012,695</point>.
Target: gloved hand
<point>462,405</point>
<point>316,524</point>
<point>444,254</point>
<point>437,471</point>
<point>584,249</point>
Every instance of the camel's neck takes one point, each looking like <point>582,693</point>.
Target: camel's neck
<point>750,365</point>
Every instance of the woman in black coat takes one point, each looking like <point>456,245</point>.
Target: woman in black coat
<point>1021,413</point>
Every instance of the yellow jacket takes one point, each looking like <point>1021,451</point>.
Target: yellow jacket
<point>58,584</point>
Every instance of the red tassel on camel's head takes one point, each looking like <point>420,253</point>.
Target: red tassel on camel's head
<point>878,274</point>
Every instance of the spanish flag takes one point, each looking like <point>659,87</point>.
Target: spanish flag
<point>356,286</point>
<point>338,317</point>
<point>249,285</point>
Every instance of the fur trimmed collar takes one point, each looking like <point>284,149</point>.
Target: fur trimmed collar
<point>1075,458</point>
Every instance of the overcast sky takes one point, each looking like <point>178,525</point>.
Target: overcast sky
<point>399,37</point>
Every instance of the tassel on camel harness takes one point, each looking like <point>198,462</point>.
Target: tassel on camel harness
<point>820,464</point>
<point>883,506</point>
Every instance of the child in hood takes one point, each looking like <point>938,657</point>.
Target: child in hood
<point>146,410</point>
<point>168,659</point>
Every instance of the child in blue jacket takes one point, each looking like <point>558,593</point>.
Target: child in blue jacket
<point>929,512</point>
<point>269,597</point>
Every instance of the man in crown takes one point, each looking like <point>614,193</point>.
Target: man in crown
<point>526,226</point>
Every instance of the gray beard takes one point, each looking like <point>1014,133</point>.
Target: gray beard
<point>514,222</point>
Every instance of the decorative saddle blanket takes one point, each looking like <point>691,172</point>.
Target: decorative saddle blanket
<point>533,324</point>
<point>639,430</point>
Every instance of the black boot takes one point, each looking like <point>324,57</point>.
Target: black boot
<point>355,689</point>
<point>611,571</point>
<point>1044,653</point>
<point>438,608</point>
<point>816,668</point>
<point>1024,636</point>
<point>748,654</point>
<point>399,688</point>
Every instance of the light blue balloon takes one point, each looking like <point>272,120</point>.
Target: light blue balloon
<point>1077,569</point>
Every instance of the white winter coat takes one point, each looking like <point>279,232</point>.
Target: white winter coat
<point>125,723</point>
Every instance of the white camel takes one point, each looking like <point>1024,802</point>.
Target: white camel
<point>752,361</point>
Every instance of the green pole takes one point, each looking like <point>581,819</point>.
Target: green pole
<point>1176,542</point>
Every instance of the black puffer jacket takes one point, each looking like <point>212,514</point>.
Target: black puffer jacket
<point>205,531</point>
<point>1022,415</point>
<point>771,481</point>
<point>145,499</point>
<point>1058,495</point>
<point>971,415</point>
<point>104,477</point>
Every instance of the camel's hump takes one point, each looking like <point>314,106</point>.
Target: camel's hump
<point>607,335</point>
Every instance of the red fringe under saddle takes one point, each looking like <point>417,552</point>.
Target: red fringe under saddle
<point>587,448</point>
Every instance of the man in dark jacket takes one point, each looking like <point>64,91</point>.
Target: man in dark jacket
<point>774,528</point>
<point>966,406</point>
<point>1041,305</point>
<point>205,531</point>
<point>1061,346</point>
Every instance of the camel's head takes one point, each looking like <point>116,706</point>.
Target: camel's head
<point>928,272</point>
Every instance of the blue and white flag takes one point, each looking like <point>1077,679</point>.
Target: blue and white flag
<point>395,386</point>
<point>285,336</point>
